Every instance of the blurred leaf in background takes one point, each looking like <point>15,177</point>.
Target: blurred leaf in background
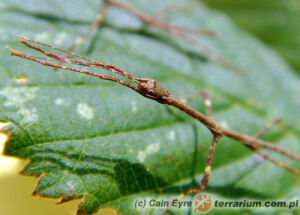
<point>276,22</point>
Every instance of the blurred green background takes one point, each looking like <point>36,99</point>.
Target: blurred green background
<point>275,22</point>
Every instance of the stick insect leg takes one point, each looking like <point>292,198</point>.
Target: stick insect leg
<point>173,8</point>
<point>212,149</point>
<point>97,22</point>
<point>205,178</point>
<point>180,32</point>
<point>267,127</point>
<point>290,169</point>
<point>207,170</point>
<point>207,101</point>
<point>260,132</point>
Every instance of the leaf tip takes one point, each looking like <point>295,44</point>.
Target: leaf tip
<point>24,173</point>
<point>64,199</point>
<point>35,193</point>
<point>4,128</point>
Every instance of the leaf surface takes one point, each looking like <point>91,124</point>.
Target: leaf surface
<point>96,140</point>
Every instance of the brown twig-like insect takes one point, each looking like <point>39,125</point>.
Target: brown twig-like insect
<point>180,32</point>
<point>152,89</point>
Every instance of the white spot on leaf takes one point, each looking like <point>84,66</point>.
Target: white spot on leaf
<point>172,135</point>
<point>60,101</point>
<point>60,39</point>
<point>150,149</point>
<point>85,111</point>
<point>20,97</point>
<point>43,36</point>
<point>141,156</point>
<point>133,106</point>
<point>28,115</point>
<point>224,124</point>
<point>153,148</point>
<point>17,96</point>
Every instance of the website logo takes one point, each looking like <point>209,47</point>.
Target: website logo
<point>202,203</point>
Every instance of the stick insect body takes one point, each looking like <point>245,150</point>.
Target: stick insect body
<point>153,90</point>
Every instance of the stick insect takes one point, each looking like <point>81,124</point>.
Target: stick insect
<point>177,31</point>
<point>153,90</point>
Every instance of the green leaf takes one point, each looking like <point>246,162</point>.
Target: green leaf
<point>275,22</point>
<point>96,140</point>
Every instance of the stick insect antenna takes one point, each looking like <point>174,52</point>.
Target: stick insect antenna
<point>35,59</point>
<point>105,66</point>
